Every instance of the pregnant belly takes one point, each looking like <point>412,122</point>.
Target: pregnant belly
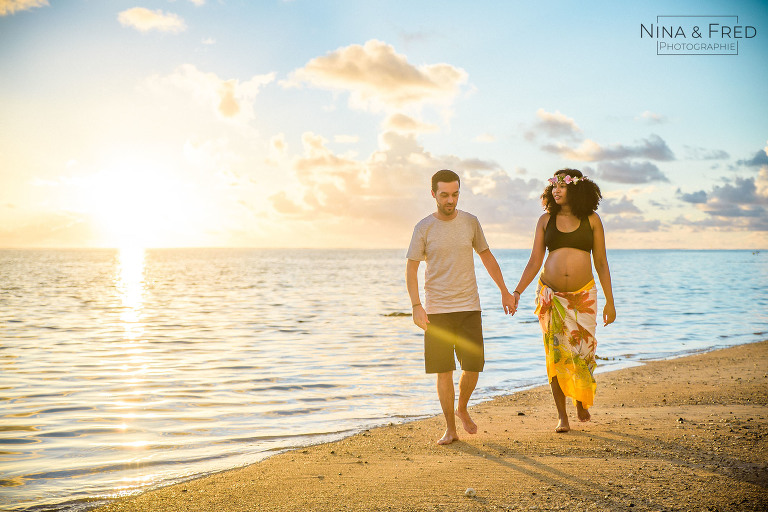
<point>567,269</point>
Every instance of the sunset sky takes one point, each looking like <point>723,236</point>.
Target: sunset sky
<point>318,123</point>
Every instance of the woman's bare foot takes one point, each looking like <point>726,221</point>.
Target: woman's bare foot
<point>582,412</point>
<point>467,422</point>
<point>448,437</point>
<point>563,426</point>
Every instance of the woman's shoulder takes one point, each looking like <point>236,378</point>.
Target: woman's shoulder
<point>594,220</point>
<point>543,220</point>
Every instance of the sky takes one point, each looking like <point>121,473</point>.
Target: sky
<point>314,123</point>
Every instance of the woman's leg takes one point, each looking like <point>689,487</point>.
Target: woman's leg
<point>582,412</point>
<point>562,415</point>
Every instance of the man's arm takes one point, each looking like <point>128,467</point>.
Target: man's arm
<point>412,284</point>
<point>492,266</point>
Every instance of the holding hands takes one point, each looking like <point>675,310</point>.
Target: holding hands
<point>509,302</point>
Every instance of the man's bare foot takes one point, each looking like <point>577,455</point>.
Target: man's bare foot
<point>467,422</point>
<point>562,427</point>
<point>448,438</point>
<point>582,412</point>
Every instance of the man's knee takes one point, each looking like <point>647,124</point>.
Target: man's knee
<point>469,379</point>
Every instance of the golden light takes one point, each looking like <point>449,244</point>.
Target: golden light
<point>130,286</point>
<point>137,204</point>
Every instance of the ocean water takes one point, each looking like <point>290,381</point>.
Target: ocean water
<point>125,370</point>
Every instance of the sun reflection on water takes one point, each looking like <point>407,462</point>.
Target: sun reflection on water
<point>130,285</point>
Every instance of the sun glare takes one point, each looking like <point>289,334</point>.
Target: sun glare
<point>130,285</point>
<point>138,205</point>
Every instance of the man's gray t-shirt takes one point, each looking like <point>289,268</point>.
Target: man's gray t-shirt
<point>446,245</point>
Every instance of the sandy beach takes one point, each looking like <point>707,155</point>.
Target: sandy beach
<point>685,434</point>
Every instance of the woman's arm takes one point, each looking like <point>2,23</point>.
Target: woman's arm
<point>601,267</point>
<point>537,257</point>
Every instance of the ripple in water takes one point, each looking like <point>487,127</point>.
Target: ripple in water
<point>123,371</point>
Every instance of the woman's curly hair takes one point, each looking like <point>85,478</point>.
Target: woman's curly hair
<point>583,197</point>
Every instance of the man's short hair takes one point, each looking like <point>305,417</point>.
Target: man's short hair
<point>444,176</point>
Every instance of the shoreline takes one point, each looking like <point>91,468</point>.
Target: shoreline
<point>677,434</point>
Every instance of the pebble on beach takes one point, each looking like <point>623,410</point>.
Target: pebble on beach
<point>470,492</point>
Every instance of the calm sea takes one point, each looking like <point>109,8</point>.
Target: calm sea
<point>121,371</point>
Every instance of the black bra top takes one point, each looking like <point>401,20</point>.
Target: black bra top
<point>580,238</point>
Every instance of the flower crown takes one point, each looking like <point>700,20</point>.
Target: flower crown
<point>566,179</point>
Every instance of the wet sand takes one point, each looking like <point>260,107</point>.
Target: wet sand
<point>684,434</point>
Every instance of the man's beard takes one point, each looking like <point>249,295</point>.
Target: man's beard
<point>447,211</point>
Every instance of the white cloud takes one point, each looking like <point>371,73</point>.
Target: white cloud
<point>738,204</point>
<point>485,138</point>
<point>230,99</point>
<point>285,205</point>
<point>144,20</point>
<point>634,223</point>
<point>228,104</point>
<point>278,144</point>
<point>652,148</point>
<point>699,153</point>
<point>379,78</point>
<point>621,206</point>
<point>623,171</point>
<point>13,6</point>
<point>761,183</point>
<point>402,123</point>
<point>652,117</point>
<point>390,187</point>
<point>554,125</point>
<point>499,199</point>
<point>211,154</point>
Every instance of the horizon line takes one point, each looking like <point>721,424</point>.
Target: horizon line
<point>253,248</point>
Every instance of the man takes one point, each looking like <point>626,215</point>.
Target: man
<point>450,315</point>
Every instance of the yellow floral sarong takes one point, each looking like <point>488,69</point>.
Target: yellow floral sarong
<point>568,322</point>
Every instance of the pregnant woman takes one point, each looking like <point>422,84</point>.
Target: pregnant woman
<point>566,296</point>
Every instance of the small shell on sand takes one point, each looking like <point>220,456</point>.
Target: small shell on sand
<point>470,492</point>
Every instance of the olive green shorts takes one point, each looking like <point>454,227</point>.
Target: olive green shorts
<point>459,333</point>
